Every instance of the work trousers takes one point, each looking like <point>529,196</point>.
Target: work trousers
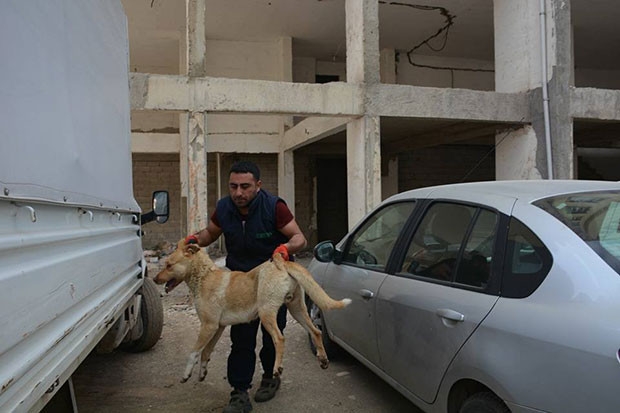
<point>242,358</point>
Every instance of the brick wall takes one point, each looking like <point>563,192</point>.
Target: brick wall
<point>152,172</point>
<point>445,164</point>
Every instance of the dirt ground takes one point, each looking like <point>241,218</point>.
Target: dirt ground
<point>150,381</point>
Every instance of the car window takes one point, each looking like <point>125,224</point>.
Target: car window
<point>372,243</point>
<point>594,217</point>
<point>436,243</point>
<point>527,261</point>
<point>476,262</point>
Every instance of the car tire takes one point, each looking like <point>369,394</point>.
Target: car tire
<point>151,317</point>
<point>485,402</point>
<point>332,349</point>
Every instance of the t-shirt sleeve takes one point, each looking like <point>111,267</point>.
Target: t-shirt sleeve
<point>214,218</point>
<point>283,215</point>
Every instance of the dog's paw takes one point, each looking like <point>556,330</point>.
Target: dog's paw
<point>184,379</point>
<point>324,362</point>
<point>278,372</point>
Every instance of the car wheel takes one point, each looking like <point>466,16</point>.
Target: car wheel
<point>151,320</point>
<point>485,402</point>
<point>316,316</point>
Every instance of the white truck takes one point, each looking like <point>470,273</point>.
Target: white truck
<point>72,273</point>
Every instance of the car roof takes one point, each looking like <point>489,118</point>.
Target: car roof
<point>502,195</point>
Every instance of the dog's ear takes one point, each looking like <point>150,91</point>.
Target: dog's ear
<point>191,249</point>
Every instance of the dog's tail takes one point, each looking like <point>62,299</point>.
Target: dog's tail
<point>311,287</point>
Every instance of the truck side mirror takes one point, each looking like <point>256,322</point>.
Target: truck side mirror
<point>160,210</point>
<point>160,206</point>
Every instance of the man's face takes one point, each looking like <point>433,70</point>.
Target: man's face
<point>243,188</point>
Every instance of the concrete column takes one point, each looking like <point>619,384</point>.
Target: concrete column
<point>286,163</point>
<point>196,133</point>
<point>183,137</point>
<point>522,153</point>
<point>362,31</point>
<point>286,178</point>
<point>196,37</point>
<point>363,137</point>
<point>561,79</point>
<point>197,175</point>
<point>363,167</point>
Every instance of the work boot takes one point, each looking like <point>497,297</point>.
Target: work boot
<point>267,389</point>
<point>239,402</point>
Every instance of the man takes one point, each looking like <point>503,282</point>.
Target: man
<point>255,224</point>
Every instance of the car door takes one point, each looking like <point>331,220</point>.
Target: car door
<point>359,274</point>
<point>442,290</point>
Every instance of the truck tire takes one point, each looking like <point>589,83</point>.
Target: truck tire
<point>151,317</point>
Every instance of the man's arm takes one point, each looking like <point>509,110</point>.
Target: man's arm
<point>208,234</point>
<point>296,240</point>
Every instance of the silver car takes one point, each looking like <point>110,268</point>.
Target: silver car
<point>484,297</point>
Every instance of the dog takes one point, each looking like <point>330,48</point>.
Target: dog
<point>222,297</point>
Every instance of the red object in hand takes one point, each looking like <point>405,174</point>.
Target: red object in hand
<point>282,250</point>
<point>191,239</point>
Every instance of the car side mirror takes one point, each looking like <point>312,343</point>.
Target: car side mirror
<point>324,251</point>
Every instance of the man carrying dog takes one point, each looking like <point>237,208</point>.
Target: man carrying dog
<point>255,224</point>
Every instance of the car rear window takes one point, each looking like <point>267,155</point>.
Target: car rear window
<point>594,217</point>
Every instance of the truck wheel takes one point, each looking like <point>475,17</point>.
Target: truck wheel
<point>151,318</point>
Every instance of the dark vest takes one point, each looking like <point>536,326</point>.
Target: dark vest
<point>252,243</point>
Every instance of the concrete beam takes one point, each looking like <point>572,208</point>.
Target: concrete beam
<point>441,103</point>
<point>170,92</point>
<point>311,130</point>
<point>599,104</point>
<point>254,143</point>
<point>171,143</point>
<point>211,94</point>
<point>155,142</point>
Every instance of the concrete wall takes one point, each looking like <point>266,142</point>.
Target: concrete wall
<point>407,74</point>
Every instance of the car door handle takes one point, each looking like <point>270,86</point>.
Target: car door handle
<point>450,314</point>
<point>367,294</point>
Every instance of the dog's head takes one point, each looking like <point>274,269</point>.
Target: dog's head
<point>177,265</point>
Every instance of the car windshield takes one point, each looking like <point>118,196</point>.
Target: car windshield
<point>594,216</point>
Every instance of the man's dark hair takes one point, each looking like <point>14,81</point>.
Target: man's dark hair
<point>244,167</point>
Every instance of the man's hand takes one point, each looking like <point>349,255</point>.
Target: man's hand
<point>191,239</point>
<point>282,250</point>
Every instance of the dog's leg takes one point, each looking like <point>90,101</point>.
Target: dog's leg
<point>207,331</point>
<point>299,311</point>
<point>268,319</point>
<point>206,353</point>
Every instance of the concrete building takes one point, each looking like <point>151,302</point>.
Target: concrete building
<point>345,102</point>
